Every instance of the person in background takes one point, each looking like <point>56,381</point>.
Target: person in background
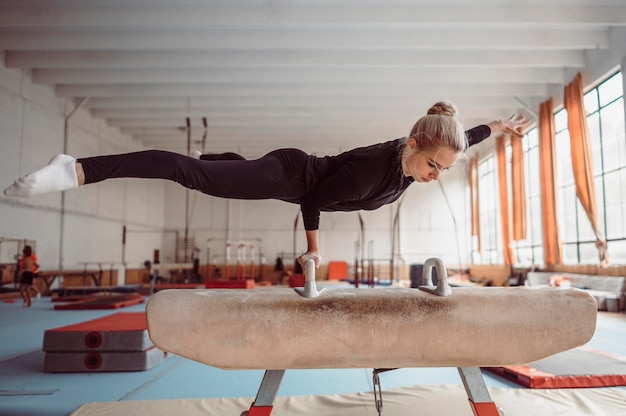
<point>28,269</point>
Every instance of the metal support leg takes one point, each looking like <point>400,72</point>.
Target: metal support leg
<point>479,398</point>
<point>264,402</point>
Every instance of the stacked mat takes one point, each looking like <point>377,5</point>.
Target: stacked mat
<point>118,342</point>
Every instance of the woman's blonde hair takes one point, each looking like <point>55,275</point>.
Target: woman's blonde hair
<point>439,128</point>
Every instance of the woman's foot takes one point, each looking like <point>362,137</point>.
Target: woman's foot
<point>58,175</point>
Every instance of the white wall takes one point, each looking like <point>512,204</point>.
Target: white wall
<point>88,226</point>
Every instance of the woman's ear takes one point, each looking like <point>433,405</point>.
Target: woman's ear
<point>412,143</point>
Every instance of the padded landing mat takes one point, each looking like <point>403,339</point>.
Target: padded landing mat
<point>123,331</point>
<point>440,400</point>
<point>102,361</point>
<point>102,302</point>
<point>93,290</point>
<point>579,367</point>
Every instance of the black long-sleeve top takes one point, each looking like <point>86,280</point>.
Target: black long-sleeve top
<point>374,173</point>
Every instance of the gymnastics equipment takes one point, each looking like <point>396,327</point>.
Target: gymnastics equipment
<point>117,342</point>
<point>249,258</point>
<point>429,327</point>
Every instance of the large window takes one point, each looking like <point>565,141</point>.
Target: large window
<point>490,237</point>
<point>530,250</point>
<point>605,117</point>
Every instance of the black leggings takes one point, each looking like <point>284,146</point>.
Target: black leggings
<point>277,175</point>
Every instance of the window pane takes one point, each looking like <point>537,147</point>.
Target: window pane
<point>535,221</point>
<point>617,252</point>
<point>622,176</point>
<point>623,222</point>
<point>600,202</point>
<point>565,173</point>
<point>614,221</point>
<point>589,253</point>
<point>595,142</point>
<point>538,253</point>
<point>488,211</point>
<point>525,255</point>
<point>591,101</point>
<point>613,141</point>
<point>611,89</point>
<point>533,138</point>
<point>585,230</point>
<point>570,254</point>
<point>560,120</point>
<point>614,187</point>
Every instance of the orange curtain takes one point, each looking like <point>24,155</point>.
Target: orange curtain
<point>582,161</point>
<point>552,251</point>
<point>507,251</point>
<point>519,189</point>
<point>475,201</point>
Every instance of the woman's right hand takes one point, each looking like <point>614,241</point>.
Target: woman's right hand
<point>513,125</point>
<point>311,254</point>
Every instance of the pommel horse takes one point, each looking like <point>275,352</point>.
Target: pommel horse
<point>281,329</point>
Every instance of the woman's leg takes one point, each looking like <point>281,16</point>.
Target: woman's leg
<point>22,294</point>
<point>25,295</point>
<point>29,299</point>
<point>279,174</point>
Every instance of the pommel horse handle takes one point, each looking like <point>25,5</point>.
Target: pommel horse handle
<point>442,288</point>
<point>310,289</point>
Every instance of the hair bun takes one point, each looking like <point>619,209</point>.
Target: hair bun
<point>443,108</point>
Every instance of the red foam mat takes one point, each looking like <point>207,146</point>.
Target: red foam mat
<point>102,361</point>
<point>230,284</point>
<point>163,286</point>
<point>576,368</point>
<point>102,302</point>
<point>123,331</point>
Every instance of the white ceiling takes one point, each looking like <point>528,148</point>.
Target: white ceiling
<point>323,76</point>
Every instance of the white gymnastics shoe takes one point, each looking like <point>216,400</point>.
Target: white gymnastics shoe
<point>196,154</point>
<point>58,175</point>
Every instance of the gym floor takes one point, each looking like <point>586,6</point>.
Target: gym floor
<point>27,390</point>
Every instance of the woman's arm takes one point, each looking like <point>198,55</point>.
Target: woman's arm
<point>514,125</point>
<point>313,249</point>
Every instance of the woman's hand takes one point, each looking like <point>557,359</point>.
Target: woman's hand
<point>513,125</point>
<point>311,254</point>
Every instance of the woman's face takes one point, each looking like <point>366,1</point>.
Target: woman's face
<point>427,165</point>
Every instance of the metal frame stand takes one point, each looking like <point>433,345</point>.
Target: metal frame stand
<point>477,393</point>
<point>264,402</point>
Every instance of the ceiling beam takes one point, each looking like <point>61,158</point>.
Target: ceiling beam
<point>279,113</point>
<point>295,122</point>
<point>176,16</point>
<point>305,39</point>
<point>355,90</point>
<point>295,58</point>
<point>209,104</point>
<point>334,75</point>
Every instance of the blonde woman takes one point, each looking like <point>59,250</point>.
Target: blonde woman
<point>363,178</point>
